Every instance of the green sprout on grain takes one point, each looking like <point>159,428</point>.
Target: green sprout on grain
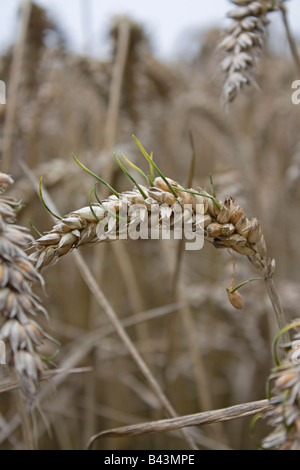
<point>151,176</point>
<point>44,203</point>
<point>112,213</point>
<point>278,336</point>
<point>190,191</point>
<point>52,357</point>
<point>135,167</point>
<point>231,291</point>
<point>90,204</point>
<point>35,229</point>
<point>111,189</point>
<point>253,436</point>
<point>212,185</point>
<point>130,177</point>
<point>153,165</point>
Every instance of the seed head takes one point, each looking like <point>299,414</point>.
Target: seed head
<point>242,42</point>
<point>284,417</point>
<point>18,304</point>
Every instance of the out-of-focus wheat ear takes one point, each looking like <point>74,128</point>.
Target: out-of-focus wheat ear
<point>242,44</point>
<point>284,394</point>
<point>18,304</point>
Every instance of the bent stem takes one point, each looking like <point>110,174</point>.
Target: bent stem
<point>167,425</point>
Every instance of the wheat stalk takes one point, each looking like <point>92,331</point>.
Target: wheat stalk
<point>18,304</point>
<point>16,72</point>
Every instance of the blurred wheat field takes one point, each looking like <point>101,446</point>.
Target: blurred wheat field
<point>204,354</point>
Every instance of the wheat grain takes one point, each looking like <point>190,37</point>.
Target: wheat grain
<point>18,304</point>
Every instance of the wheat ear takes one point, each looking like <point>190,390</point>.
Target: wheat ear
<point>242,43</point>
<point>284,417</point>
<point>225,225</point>
<point>18,304</point>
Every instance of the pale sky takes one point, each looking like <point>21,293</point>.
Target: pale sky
<point>165,20</point>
